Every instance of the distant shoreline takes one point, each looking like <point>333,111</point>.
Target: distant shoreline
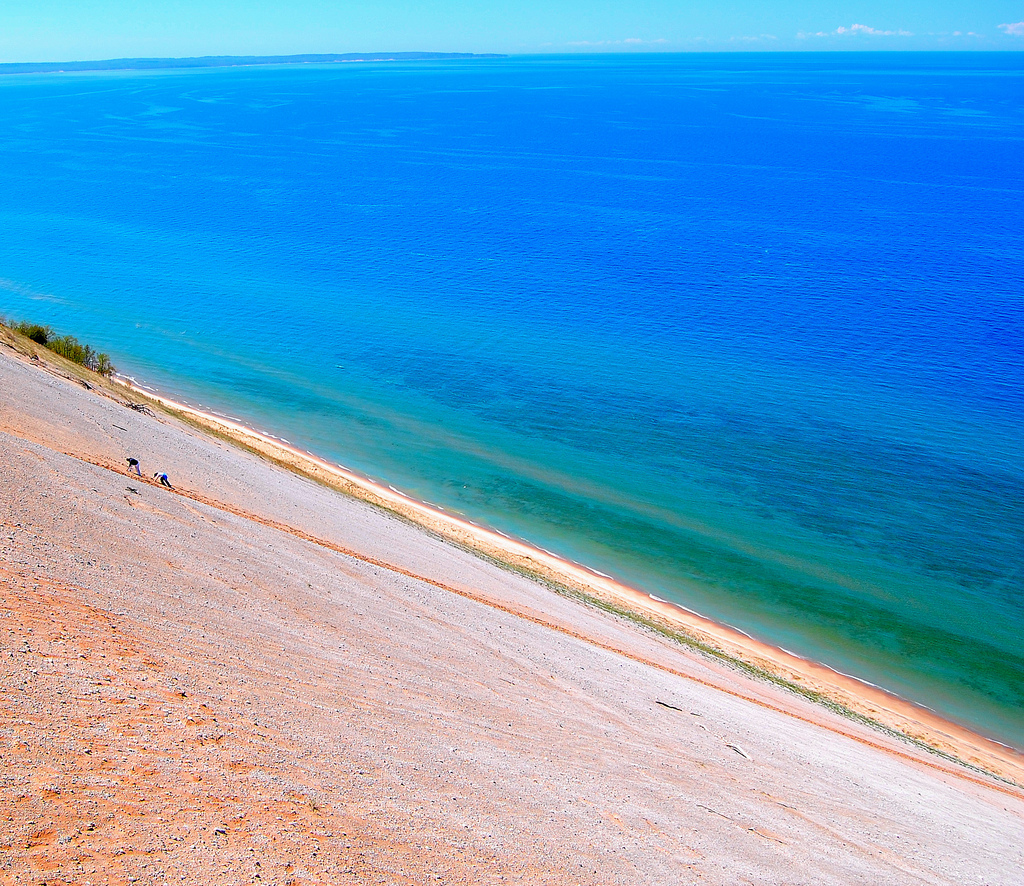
<point>232,61</point>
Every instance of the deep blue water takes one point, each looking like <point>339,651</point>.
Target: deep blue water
<point>745,331</point>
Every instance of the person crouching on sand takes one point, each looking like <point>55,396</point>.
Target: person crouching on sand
<point>163,480</point>
<point>133,465</point>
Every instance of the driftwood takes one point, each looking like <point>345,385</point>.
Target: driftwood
<point>665,704</point>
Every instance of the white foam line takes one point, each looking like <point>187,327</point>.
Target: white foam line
<point>861,680</point>
<point>693,612</point>
<point>229,418</point>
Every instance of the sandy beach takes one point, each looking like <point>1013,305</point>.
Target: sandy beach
<point>278,672</point>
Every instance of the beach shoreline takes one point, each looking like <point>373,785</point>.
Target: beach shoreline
<point>250,672</point>
<point>848,694</point>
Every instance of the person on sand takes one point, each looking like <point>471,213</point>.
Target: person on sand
<point>163,480</point>
<point>133,465</point>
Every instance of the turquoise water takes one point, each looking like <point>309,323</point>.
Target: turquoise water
<point>743,331</point>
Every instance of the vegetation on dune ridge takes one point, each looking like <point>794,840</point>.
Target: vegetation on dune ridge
<point>67,346</point>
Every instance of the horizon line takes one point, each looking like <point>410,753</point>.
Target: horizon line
<point>210,61</point>
<point>214,61</point>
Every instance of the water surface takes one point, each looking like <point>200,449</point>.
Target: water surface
<point>743,331</point>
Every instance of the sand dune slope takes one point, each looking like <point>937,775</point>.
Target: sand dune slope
<point>201,686</point>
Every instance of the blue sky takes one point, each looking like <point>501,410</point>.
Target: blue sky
<point>59,30</point>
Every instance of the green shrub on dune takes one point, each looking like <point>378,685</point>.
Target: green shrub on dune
<point>66,346</point>
<point>41,335</point>
<point>69,347</point>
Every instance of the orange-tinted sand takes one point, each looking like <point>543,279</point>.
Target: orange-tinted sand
<point>254,678</point>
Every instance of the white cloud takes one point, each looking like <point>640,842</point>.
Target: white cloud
<point>856,30</point>
<point>1016,29</point>
<point>759,38</point>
